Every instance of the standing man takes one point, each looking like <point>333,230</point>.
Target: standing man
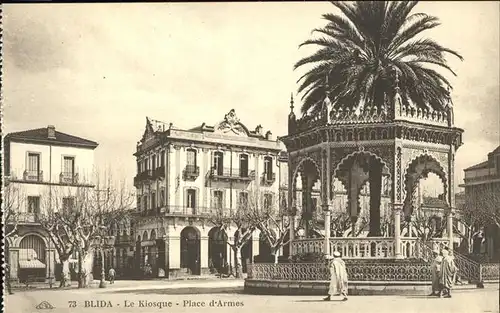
<point>448,272</point>
<point>436,272</point>
<point>111,275</point>
<point>338,278</point>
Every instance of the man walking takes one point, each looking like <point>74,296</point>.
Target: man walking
<point>436,272</point>
<point>338,278</point>
<point>111,275</point>
<point>448,272</point>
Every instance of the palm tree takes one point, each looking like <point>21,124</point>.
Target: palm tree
<point>369,49</point>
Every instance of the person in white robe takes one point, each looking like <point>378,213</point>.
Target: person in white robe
<point>436,273</point>
<point>448,272</point>
<point>338,278</point>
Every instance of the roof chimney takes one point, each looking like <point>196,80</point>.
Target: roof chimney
<point>51,132</point>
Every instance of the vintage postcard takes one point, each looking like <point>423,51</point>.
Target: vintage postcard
<point>251,157</point>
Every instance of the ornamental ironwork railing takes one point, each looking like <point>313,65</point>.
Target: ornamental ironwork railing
<point>354,248</point>
<point>356,271</point>
<point>490,271</point>
<point>369,247</point>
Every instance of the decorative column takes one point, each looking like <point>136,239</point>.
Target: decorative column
<point>325,197</point>
<point>397,207</point>
<point>449,226</point>
<point>327,228</point>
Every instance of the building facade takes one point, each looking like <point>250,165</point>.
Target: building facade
<point>43,169</point>
<point>482,186</point>
<point>182,176</point>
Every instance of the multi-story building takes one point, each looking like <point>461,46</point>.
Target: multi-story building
<point>482,186</point>
<point>42,167</point>
<point>185,174</point>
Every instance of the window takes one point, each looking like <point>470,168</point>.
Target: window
<point>268,201</point>
<point>191,161</point>
<point>218,162</point>
<point>68,204</point>
<point>33,163</point>
<point>191,198</point>
<point>268,167</point>
<point>153,200</point>
<point>33,204</point>
<point>243,165</point>
<point>69,166</point>
<point>243,199</point>
<point>145,203</point>
<point>218,199</point>
<point>162,158</point>
<point>153,161</point>
<point>138,167</point>
<point>139,203</point>
<point>162,197</point>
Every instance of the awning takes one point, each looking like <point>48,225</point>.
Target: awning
<point>31,264</point>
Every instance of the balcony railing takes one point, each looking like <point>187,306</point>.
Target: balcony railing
<point>179,210</point>
<point>28,217</point>
<point>68,178</point>
<point>36,176</point>
<point>191,172</point>
<point>268,178</point>
<point>159,172</point>
<point>231,174</point>
<point>147,175</point>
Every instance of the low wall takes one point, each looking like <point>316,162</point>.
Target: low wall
<point>320,288</point>
<point>357,270</point>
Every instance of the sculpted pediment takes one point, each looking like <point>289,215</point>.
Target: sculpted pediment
<point>231,125</point>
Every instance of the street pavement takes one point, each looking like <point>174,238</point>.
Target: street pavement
<point>228,296</point>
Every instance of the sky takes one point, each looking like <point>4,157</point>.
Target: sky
<point>97,70</point>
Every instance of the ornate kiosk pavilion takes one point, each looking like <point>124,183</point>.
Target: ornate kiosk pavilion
<point>400,142</point>
<point>395,142</point>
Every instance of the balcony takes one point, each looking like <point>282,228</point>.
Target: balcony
<point>191,172</point>
<point>123,240</point>
<point>146,176</point>
<point>268,178</point>
<point>34,176</point>
<point>29,218</point>
<point>68,178</point>
<point>231,174</point>
<point>159,173</point>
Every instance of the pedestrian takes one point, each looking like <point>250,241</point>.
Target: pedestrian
<point>111,275</point>
<point>436,273</point>
<point>448,272</point>
<point>338,278</point>
<point>7,279</point>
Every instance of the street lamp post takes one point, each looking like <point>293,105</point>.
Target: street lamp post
<point>104,242</point>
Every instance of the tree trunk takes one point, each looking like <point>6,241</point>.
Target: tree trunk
<point>65,274</point>
<point>238,265</point>
<point>275,253</point>
<point>85,275</point>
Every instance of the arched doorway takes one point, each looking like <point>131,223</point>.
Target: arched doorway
<point>217,248</point>
<point>190,250</point>
<point>32,264</point>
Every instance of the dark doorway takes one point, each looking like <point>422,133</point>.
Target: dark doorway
<point>190,250</point>
<point>264,247</point>
<point>217,248</point>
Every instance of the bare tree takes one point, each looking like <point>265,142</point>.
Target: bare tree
<point>13,201</point>
<point>426,225</point>
<point>77,218</point>
<point>482,206</point>
<point>270,218</point>
<point>239,218</point>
